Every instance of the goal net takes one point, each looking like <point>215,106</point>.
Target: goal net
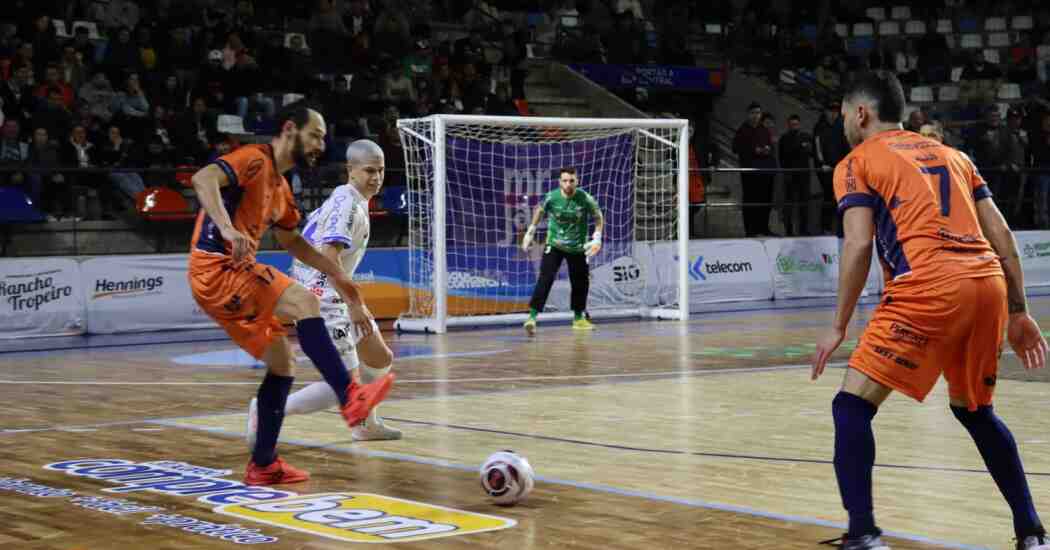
<point>474,181</point>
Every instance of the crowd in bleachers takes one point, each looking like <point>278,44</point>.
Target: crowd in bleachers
<point>975,74</point>
<point>164,83</point>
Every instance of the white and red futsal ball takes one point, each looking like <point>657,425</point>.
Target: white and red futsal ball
<point>506,477</point>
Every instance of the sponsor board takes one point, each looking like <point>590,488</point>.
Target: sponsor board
<point>354,517</point>
<point>1035,257</point>
<point>809,268</point>
<point>139,294</point>
<point>363,517</point>
<point>40,297</point>
<point>719,271</point>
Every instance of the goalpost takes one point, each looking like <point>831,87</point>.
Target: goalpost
<point>473,182</point>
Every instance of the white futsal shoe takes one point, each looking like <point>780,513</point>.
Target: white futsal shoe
<point>252,429</point>
<point>373,429</point>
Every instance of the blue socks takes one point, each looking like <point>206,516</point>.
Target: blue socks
<point>854,460</point>
<point>318,346</point>
<point>271,399</point>
<point>999,451</point>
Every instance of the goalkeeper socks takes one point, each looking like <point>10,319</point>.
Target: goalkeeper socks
<point>577,315</point>
<point>533,313</point>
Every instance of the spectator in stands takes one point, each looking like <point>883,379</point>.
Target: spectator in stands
<point>906,64</point>
<point>131,105</point>
<point>1042,59</point>
<point>796,150</point>
<point>52,113</point>
<point>992,147</point>
<point>830,146</point>
<point>1022,62</point>
<point>470,49</point>
<point>980,81</point>
<point>500,103</point>
<point>1041,157</point>
<point>398,89</point>
<point>147,52</point>
<point>121,13</point>
<point>827,73</point>
<point>342,109</point>
<point>916,120</point>
<point>16,95</point>
<point>181,55</point>
<point>935,56</point>
<point>83,45</point>
<point>14,153</point>
<point>753,144</point>
<point>56,198</point>
<point>24,58</point>
<point>419,64</point>
<point>122,54</point>
<point>358,17</point>
<point>72,69</point>
<point>98,96</point>
<point>169,94</point>
<point>932,130</point>
<point>391,31</point>
<point>192,134</point>
<point>159,127</point>
<point>44,42</point>
<point>53,80</point>
<point>118,152</point>
<point>79,152</point>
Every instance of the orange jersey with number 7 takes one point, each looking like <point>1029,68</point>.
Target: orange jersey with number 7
<point>924,197</point>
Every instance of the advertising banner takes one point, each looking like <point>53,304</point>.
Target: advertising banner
<point>140,294</point>
<point>40,297</point>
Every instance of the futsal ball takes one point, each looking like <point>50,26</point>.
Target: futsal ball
<point>506,477</point>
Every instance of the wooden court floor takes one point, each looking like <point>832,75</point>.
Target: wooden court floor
<point>643,435</point>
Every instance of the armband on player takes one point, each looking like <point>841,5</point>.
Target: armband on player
<point>527,241</point>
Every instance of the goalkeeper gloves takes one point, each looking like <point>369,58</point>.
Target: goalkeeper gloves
<point>594,245</point>
<point>527,241</point>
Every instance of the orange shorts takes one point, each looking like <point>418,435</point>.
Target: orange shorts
<point>955,330</point>
<point>241,299</point>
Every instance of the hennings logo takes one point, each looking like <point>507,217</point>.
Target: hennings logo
<point>104,288</point>
<point>30,295</point>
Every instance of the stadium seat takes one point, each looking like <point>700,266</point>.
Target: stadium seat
<point>16,207</point>
<point>944,26</point>
<point>569,21</point>
<point>1003,109</point>
<point>956,73</point>
<point>915,27</point>
<point>231,124</point>
<point>969,24</point>
<point>877,13</point>
<point>1009,91</point>
<point>948,93</point>
<point>1022,23</point>
<point>863,29</point>
<point>900,13</point>
<point>184,174</point>
<point>861,45</point>
<point>971,41</point>
<point>921,94</point>
<point>60,29</point>
<point>992,56</point>
<point>995,24</point>
<point>395,201</point>
<point>998,40</point>
<point>889,28</point>
<point>290,98</point>
<point>713,28</point>
<point>162,204</point>
<point>90,26</point>
<point>842,30</point>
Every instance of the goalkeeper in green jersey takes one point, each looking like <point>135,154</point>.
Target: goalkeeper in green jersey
<point>569,210</point>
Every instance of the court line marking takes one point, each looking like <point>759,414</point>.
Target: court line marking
<point>436,380</point>
<point>601,488</point>
<point>678,452</point>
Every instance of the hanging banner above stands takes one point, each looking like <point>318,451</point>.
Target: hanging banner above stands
<point>696,79</point>
<point>809,268</point>
<point>40,297</point>
<point>140,294</point>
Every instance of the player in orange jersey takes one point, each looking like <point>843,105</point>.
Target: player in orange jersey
<point>944,249</point>
<point>242,194</point>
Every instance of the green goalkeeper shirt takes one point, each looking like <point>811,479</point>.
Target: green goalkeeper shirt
<point>568,219</point>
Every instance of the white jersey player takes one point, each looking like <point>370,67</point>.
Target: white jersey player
<point>340,230</point>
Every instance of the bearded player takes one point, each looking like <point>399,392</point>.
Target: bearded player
<point>242,194</point>
<point>340,229</point>
<point>569,209</point>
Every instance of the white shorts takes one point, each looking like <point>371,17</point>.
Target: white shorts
<point>344,334</point>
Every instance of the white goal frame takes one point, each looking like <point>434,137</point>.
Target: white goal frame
<point>440,322</point>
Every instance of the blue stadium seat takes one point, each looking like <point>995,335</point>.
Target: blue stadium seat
<point>394,200</point>
<point>809,32</point>
<point>16,207</point>
<point>969,24</point>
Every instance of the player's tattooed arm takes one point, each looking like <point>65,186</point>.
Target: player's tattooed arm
<point>1002,240</point>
